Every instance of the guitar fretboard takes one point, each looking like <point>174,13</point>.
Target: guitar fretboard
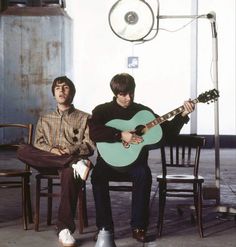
<point>168,115</point>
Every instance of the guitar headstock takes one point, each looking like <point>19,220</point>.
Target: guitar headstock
<point>211,95</point>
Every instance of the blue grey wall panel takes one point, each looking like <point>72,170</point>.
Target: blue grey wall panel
<point>33,51</point>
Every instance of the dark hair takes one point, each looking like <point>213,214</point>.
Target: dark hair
<point>122,83</point>
<point>68,82</point>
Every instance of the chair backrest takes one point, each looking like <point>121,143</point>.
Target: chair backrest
<point>182,152</point>
<point>12,135</point>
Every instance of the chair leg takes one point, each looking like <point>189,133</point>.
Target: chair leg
<point>84,201</point>
<point>199,209</point>
<point>162,200</point>
<point>194,218</point>
<point>37,204</point>
<point>80,211</point>
<point>28,198</point>
<point>24,203</point>
<point>49,207</point>
<point>180,211</point>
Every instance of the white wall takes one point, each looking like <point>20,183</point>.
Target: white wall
<point>164,75</point>
<point>225,19</point>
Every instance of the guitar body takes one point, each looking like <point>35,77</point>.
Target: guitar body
<point>115,154</point>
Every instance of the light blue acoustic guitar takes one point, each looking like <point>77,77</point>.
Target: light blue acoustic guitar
<point>145,124</point>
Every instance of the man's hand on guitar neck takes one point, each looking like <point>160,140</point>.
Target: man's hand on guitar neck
<point>189,107</point>
<point>129,137</point>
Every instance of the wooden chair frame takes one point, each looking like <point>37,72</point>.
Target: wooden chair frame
<point>184,152</point>
<point>53,180</point>
<point>24,173</point>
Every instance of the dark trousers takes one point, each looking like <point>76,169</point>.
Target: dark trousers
<point>48,163</point>
<point>68,202</point>
<point>140,175</point>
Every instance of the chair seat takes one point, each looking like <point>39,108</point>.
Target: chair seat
<point>182,178</point>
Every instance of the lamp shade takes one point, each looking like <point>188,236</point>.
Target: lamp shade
<point>131,20</point>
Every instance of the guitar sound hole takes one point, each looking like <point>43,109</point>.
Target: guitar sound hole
<point>140,130</point>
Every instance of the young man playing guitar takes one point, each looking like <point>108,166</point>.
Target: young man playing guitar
<point>104,131</point>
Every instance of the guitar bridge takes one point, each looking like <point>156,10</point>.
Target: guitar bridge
<point>125,144</point>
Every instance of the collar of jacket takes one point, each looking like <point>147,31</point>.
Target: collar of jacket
<point>66,112</point>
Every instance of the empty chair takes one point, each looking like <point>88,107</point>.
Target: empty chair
<point>180,163</point>
<point>13,173</point>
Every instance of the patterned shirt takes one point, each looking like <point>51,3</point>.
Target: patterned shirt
<point>64,129</point>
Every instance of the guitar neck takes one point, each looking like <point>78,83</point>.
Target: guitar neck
<point>168,115</point>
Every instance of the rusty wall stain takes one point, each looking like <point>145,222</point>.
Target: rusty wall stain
<point>24,80</point>
<point>17,25</point>
<point>53,49</point>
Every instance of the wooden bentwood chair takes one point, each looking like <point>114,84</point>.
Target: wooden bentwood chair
<point>45,183</point>
<point>13,173</point>
<point>180,163</point>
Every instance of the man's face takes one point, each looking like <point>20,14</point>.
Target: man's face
<point>62,93</point>
<point>124,99</point>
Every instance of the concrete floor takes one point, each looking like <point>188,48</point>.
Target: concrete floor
<point>219,229</point>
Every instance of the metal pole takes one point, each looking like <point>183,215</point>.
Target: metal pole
<point>211,17</point>
<point>194,66</point>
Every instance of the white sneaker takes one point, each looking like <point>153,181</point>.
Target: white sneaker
<point>66,238</point>
<point>81,169</point>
